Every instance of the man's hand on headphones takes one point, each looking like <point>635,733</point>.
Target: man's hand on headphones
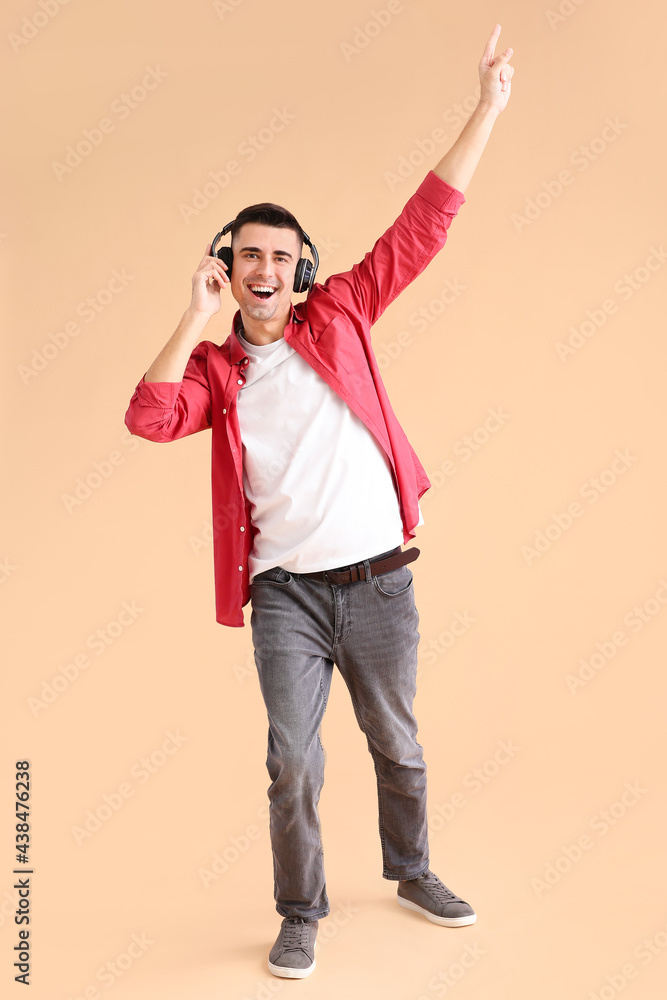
<point>495,73</point>
<point>207,282</point>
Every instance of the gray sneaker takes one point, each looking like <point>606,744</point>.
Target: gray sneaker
<point>293,954</point>
<point>427,895</point>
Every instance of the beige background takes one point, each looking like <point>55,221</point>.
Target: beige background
<point>569,903</point>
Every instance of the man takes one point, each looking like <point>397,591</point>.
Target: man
<point>315,488</point>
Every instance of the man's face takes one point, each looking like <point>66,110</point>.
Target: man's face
<point>264,258</point>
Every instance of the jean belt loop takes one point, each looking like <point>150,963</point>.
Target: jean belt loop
<point>367,570</point>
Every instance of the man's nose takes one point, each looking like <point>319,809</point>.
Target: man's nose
<point>264,268</point>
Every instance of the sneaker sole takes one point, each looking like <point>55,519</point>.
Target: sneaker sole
<point>285,973</point>
<point>434,918</point>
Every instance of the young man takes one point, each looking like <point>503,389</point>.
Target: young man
<point>315,488</point>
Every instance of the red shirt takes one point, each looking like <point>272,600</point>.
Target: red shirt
<point>331,331</point>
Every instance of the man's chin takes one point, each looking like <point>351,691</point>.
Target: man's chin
<point>258,310</point>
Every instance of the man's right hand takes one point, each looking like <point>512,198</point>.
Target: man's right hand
<point>207,282</point>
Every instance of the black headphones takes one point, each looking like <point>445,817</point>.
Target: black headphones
<point>304,276</point>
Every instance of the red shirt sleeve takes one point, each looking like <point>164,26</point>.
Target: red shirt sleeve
<point>401,253</point>
<point>164,411</point>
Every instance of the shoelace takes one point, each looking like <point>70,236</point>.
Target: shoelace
<point>432,884</point>
<point>295,933</point>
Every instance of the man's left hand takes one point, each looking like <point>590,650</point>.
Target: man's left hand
<point>495,74</point>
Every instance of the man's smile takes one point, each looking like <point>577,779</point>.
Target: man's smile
<point>260,291</point>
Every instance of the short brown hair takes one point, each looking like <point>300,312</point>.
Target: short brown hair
<point>267,214</point>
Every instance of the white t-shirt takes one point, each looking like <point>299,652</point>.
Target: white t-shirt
<point>320,485</point>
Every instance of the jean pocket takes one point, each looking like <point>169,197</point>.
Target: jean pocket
<point>394,583</point>
<point>274,577</point>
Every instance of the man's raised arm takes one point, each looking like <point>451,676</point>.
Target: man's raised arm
<point>420,231</point>
<point>173,398</point>
<point>207,282</point>
<point>495,75</point>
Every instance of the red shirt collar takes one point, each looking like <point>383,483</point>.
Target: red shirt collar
<point>233,347</point>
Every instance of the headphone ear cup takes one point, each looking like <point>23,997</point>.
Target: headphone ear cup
<point>302,275</point>
<point>226,255</point>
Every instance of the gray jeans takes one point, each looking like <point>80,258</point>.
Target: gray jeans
<point>300,628</point>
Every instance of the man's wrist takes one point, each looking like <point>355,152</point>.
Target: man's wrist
<point>192,325</point>
<point>197,317</point>
<point>486,109</point>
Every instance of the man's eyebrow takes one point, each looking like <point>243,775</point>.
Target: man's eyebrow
<point>282,253</point>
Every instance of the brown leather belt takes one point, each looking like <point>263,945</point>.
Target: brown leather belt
<point>350,574</point>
